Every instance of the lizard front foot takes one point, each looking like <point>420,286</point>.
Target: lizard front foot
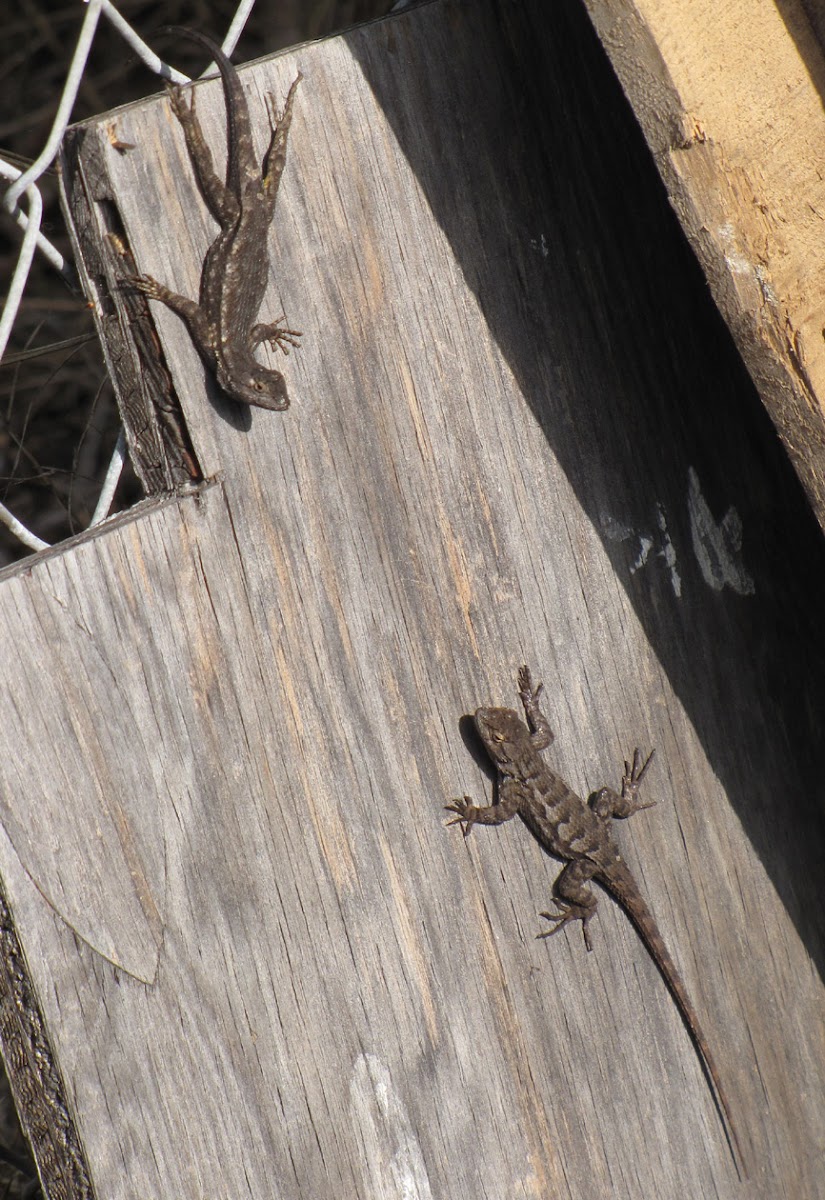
<point>528,694</point>
<point>467,813</point>
<point>278,338</point>
<point>607,804</point>
<point>632,781</point>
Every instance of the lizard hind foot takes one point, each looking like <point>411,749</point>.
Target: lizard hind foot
<point>569,912</point>
<point>276,118</point>
<point>180,108</point>
<point>148,287</point>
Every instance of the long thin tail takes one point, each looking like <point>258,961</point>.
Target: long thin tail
<point>238,126</point>
<point>622,886</point>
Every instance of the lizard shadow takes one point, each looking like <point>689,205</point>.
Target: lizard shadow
<point>475,746</point>
<point>238,416</point>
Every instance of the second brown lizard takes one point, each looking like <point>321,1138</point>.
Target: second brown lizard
<point>236,267</point>
<point>579,834</point>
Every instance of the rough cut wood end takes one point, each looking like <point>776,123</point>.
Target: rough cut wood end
<point>730,98</point>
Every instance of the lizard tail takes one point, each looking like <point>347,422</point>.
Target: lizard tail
<point>622,887</point>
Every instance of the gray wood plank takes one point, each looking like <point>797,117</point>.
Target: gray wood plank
<point>231,720</point>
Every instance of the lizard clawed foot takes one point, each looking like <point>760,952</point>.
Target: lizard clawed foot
<point>277,338</point>
<point>284,338</point>
<point>466,810</point>
<point>632,779</point>
<point>145,284</point>
<point>180,108</point>
<point>569,912</point>
<point>276,118</point>
<point>527,693</point>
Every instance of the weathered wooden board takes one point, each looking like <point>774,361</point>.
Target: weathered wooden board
<point>730,98</point>
<point>519,433</point>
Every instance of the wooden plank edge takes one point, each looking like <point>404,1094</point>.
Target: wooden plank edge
<point>775,344</point>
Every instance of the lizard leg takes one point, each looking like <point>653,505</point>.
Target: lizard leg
<point>188,311</point>
<point>606,803</point>
<point>573,898</point>
<point>541,735</point>
<point>277,336</point>
<point>275,157</point>
<point>217,196</point>
<point>470,814</point>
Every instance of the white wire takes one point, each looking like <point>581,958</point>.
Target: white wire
<point>64,109</point>
<point>107,492</point>
<point>24,262</point>
<point>20,531</point>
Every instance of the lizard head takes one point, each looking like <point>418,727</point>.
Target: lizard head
<point>255,385</point>
<point>503,732</point>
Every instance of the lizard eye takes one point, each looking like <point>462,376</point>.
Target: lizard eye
<point>258,386</point>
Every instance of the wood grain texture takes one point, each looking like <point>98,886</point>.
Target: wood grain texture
<point>231,720</point>
<point>731,102</point>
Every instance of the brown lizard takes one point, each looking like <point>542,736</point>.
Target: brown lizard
<point>580,834</point>
<point>236,267</point>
